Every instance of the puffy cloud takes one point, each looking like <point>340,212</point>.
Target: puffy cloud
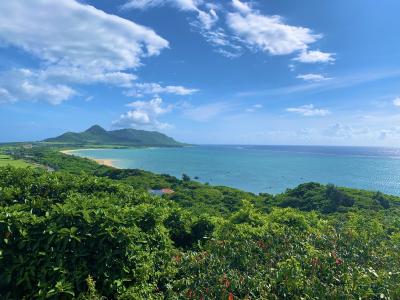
<point>77,35</point>
<point>396,102</point>
<point>241,7</point>
<point>23,84</point>
<point>139,89</point>
<point>204,22</point>
<point>315,56</point>
<point>271,34</point>
<point>249,27</point>
<point>144,115</point>
<point>308,111</point>
<point>77,43</point>
<point>268,33</point>
<point>312,77</point>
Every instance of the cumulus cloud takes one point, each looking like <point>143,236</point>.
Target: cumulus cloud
<point>144,115</point>
<point>204,21</point>
<point>244,26</point>
<point>268,33</point>
<point>396,101</point>
<point>313,77</point>
<point>308,111</point>
<point>241,7</point>
<point>101,50</point>
<point>140,89</point>
<point>315,56</point>
<point>23,84</point>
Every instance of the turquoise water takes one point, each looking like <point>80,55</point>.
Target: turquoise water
<point>270,169</point>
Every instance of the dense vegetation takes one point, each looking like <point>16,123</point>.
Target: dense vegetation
<point>97,135</point>
<point>92,232</point>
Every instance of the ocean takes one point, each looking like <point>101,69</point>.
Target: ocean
<point>267,169</point>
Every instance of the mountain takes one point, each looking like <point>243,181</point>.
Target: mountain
<point>96,135</point>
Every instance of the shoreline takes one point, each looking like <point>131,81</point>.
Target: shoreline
<point>103,161</point>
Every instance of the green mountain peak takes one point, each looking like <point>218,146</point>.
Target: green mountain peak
<point>97,135</point>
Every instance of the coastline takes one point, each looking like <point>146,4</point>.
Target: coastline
<point>104,161</point>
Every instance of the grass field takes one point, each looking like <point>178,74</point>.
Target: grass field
<point>6,160</point>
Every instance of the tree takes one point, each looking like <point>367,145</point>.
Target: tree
<point>185,178</point>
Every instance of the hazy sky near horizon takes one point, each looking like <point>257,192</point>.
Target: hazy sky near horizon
<point>203,71</point>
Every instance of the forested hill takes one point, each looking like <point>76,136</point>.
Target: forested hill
<point>96,135</point>
<point>86,231</point>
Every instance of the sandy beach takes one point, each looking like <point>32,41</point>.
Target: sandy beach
<point>104,162</point>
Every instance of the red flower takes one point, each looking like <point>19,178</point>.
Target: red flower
<point>315,262</point>
<point>227,283</point>
<point>339,261</point>
<point>177,258</point>
<point>189,293</point>
<point>230,296</point>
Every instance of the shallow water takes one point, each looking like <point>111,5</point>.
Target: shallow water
<point>270,169</point>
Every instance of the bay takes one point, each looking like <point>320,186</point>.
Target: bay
<point>267,169</point>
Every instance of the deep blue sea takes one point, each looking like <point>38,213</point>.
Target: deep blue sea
<point>270,169</point>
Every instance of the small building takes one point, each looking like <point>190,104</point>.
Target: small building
<point>161,192</point>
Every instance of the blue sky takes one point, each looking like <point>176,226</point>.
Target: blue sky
<point>218,72</point>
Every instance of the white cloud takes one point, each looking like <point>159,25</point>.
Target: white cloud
<point>315,56</point>
<point>396,101</point>
<point>204,19</point>
<point>140,89</point>
<point>224,44</point>
<point>339,130</point>
<point>308,111</point>
<point>205,22</point>
<point>23,84</point>
<point>189,5</point>
<point>76,43</point>
<point>208,19</point>
<point>254,108</point>
<point>5,96</point>
<point>313,77</point>
<point>268,33</point>
<point>242,7</point>
<point>144,115</point>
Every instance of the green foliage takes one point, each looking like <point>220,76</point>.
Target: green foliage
<point>59,229</point>
<point>86,231</point>
<point>288,254</point>
<point>185,178</point>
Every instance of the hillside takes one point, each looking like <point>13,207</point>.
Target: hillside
<point>96,135</point>
<point>86,231</point>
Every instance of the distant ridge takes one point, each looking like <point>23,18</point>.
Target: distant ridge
<point>96,135</point>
